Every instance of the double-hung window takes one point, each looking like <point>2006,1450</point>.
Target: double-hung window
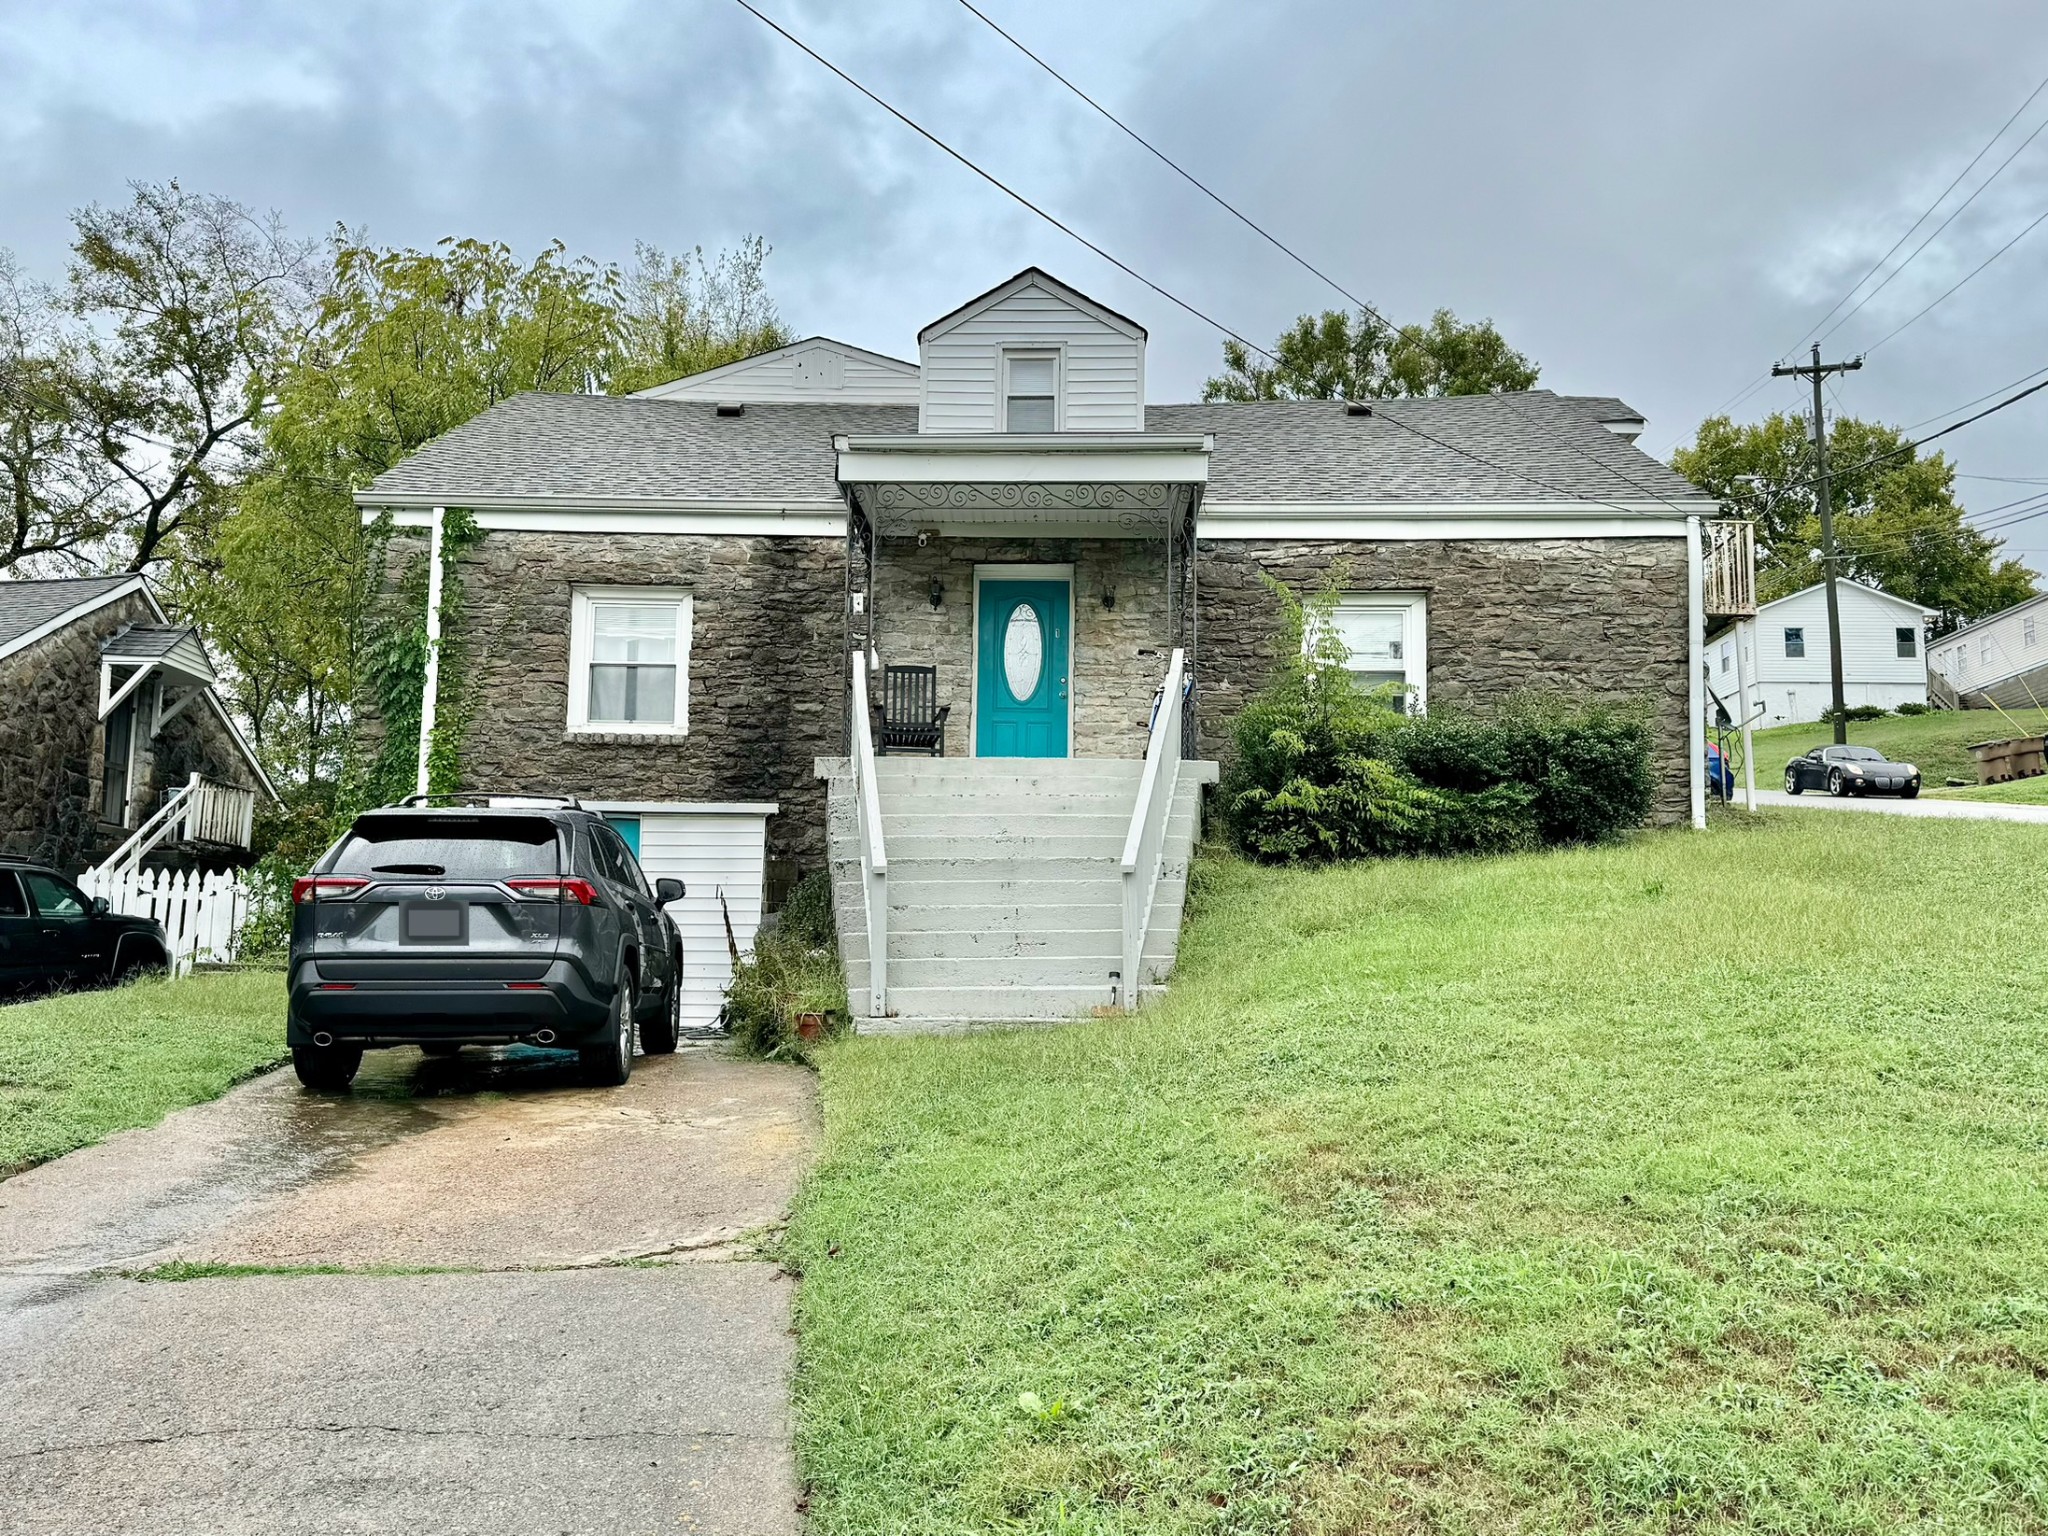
<point>1909,640</point>
<point>629,660</point>
<point>1031,391</point>
<point>1795,641</point>
<point>1386,640</point>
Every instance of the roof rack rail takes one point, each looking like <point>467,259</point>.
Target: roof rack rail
<point>502,799</point>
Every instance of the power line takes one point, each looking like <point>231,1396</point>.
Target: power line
<point>2015,240</point>
<point>1935,233</point>
<point>1928,213</point>
<point>1249,223</point>
<point>1987,395</point>
<point>1921,442</point>
<point>1744,393</point>
<point>1081,239</point>
<point>1180,170</point>
<point>1001,186</point>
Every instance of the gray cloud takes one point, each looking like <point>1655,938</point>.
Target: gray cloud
<point>1652,201</point>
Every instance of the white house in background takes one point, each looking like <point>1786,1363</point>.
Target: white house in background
<point>2000,660</point>
<point>1783,661</point>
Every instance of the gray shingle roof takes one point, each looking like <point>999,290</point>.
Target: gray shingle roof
<point>26,606</point>
<point>1536,446</point>
<point>143,640</point>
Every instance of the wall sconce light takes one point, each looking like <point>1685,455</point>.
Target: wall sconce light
<point>938,593</point>
<point>1109,597</point>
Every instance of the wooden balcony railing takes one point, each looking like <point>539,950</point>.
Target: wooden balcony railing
<point>1730,569</point>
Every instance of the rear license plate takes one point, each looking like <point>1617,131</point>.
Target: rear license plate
<point>437,924</point>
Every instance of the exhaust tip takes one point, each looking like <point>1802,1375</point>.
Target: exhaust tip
<point>323,1039</point>
<point>544,1037</point>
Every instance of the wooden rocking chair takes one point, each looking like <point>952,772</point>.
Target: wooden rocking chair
<point>913,719</point>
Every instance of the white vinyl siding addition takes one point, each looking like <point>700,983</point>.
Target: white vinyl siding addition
<point>963,364</point>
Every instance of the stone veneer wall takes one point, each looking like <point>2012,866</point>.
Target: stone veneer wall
<point>52,745</point>
<point>765,675</point>
<point>1118,654</point>
<point>1598,618</point>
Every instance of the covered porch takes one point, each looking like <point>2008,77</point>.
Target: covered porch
<point>1039,592</point>
<point>1043,580</point>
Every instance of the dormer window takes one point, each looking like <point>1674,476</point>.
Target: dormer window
<point>1031,392</point>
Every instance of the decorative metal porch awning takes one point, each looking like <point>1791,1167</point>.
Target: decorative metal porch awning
<point>1053,485</point>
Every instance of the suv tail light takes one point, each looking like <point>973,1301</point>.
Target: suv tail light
<point>554,888</point>
<point>325,887</point>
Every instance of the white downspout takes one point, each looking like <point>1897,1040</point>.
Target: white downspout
<point>1748,719</point>
<point>1696,621</point>
<point>431,687</point>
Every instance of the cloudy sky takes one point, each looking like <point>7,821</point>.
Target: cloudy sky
<point>1652,201</point>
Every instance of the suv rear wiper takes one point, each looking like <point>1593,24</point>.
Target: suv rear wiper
<point>408,869</point>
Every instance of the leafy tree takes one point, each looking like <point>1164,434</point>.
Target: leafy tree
<point>1340,356</point>
<point>1897,523</point>
<point>60,501</point>
<point>191,305</point>
<point>683,314</point>
<point>404,345</point>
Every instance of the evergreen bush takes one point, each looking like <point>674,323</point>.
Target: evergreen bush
<point>1324,770</point>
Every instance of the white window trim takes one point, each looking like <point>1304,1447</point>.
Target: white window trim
<point>580,621</point>
<point>1058,357</point>
<point>1414,610</point>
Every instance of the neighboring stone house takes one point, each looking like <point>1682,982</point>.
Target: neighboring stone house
<point>110,709</point>
<point>675,594</point>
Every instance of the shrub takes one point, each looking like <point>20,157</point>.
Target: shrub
<point>794,970</point>
<point>1913,707</point>
<point>1322,770</point>
<point>1856,712</point>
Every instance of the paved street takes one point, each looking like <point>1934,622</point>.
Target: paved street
<point>547,1315</point>
<point>1952,810</point>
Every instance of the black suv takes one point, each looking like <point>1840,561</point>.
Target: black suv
<point>508,919</point>
<point>52,934</point>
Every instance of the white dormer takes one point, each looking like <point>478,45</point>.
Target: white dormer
<point>1032,355</point>
<point>814,371</point>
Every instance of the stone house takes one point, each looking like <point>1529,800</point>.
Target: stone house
<point>683,600</point>
<point>111,711</point>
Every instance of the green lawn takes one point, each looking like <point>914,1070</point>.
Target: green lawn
<point>2032,791</point>
<point>1664,1187</point>
<point>76,1067</point>
<point>1939,742</point>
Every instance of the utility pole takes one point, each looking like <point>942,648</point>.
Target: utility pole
<point>1818,371</point>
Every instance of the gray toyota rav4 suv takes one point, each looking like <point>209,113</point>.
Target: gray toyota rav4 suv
<point>486,921</point>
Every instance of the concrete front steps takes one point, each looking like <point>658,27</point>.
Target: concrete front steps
<point>1005,886</point>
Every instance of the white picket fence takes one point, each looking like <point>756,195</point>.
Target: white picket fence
<point>201,913</point>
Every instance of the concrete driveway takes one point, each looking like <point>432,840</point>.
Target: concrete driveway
<point>1940,810</point>
<point>473,1297</point>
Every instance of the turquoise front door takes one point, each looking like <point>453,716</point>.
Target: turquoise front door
<point>1020,669</point>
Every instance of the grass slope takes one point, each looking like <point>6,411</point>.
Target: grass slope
<point>1647,1188</point>
<point>1938,742</point>
<point>78,1066</point>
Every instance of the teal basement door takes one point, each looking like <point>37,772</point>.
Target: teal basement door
<point>1021,671</point>
<point>628,827</point>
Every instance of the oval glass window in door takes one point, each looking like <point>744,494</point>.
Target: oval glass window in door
<point>1023,652</point>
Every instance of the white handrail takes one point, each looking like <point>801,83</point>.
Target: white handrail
<point>874,857</point>
<point>152,831</point>
<point>1145,844</point>
<point>200,812</point>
